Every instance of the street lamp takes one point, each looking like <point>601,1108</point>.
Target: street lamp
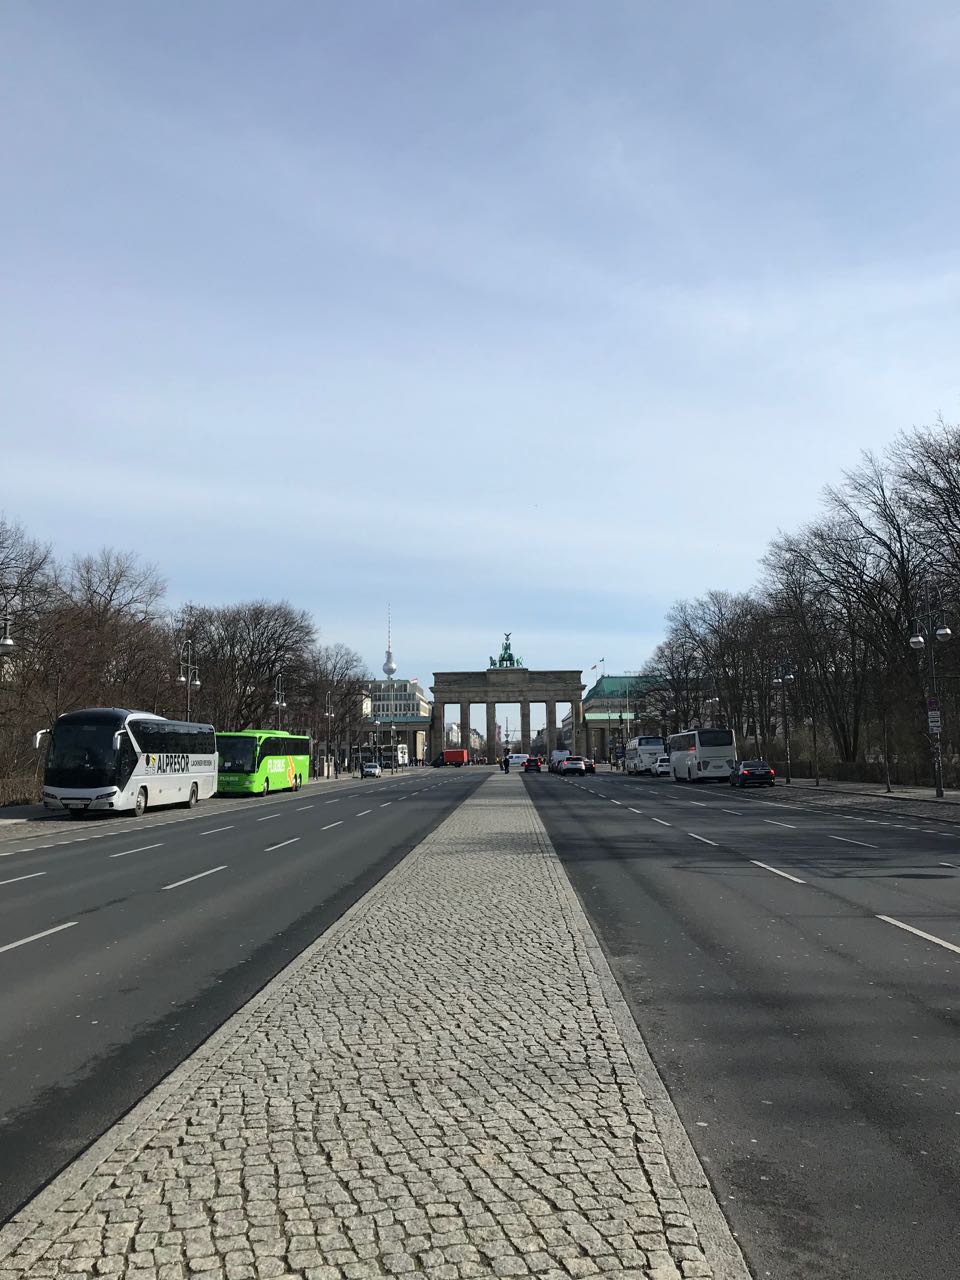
<point>328,713</point>
<point>189,675</point>
<point>781,681</point>
<point>279,698</point>
<point>714,705</point>
<point>929,622</point>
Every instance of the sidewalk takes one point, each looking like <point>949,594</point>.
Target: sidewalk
<point>447,1083</point>
<point>910,802</point>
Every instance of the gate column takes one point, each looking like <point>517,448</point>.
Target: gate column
<point>491,732</point>
<point>525,725</point>
<point>465,726</point>
<point>436,730</point>
<point>551,729</point>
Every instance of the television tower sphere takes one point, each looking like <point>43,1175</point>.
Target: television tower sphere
<point>389,666</point>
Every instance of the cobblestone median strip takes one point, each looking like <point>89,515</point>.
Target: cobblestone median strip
<point>446,1083</point>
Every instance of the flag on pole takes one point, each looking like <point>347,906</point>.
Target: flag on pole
<point>594,667</point>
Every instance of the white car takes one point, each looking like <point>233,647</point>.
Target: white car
<point>371,770</point>
<point>661,767</point>
<point>572,764</point>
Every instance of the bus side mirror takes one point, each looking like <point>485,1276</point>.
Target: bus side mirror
<point>38,737</point>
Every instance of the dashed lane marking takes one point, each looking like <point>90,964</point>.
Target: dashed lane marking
<point>661,821</point>
<point>140,849</point>
<point>777,872</point>
<point>702,839</point>
<point>199,876</point>
<point>846,840</point>
<point>34,937</point>
<point>213,830</point>
<point>930,937</point>
<point>33,876</point>
<point>331,825</point>
<point>271,847</point>
<point>774,823</point>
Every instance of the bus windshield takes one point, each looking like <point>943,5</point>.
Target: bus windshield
<point>82,755</point>
<point>237,754</point>
<point>716,737</point>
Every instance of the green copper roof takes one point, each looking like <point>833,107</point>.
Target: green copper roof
<point>620,687</point>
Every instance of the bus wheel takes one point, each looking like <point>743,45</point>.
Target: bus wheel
<point>141,802</point>
<point>266,787</point>
<point>297,782</point>
<point>193,797</point>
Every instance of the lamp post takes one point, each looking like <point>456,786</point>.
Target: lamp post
<point>279,698</point>
<point>328,714</point>
<point>929,623</point>
<point>189,675</point>
<point>714,705</point>
<point>781,680</point>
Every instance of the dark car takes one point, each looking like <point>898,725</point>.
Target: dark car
<point>590,766</point>
<point>531,765</point>
<point>753,772</point>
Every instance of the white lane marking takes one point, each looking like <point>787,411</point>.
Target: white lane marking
<point>22,942</point>
<point>267,816</point>
<point>930,937</point>
<point>271,847</point>
<point>786,874</point>
<point>632,810</point>
<point>703,839</point>
<point>331,825</point>
<point>774,823</point>
<point>615,802</point>
<point>33,876</point>
<point>303,807</point>
<point>336,801</point>
<point>701,804</point>
<point>141,849</point>
<point>737,813</point>
<point>661,821</point>
<point>213,830</point>
<point>363,813</point>
<point>846,840</point>
<point>950,864</point>
<point>388,802</point>
<point>199,876</point>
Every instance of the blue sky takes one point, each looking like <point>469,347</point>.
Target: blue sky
<point>522,316</point>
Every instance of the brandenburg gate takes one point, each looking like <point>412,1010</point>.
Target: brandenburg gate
<point>507,680</point>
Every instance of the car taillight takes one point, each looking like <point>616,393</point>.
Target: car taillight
<point>772,774</point>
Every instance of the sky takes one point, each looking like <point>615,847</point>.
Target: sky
<point>527,317</point>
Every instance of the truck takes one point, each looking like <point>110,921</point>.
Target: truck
<point>456,756</point>
<point>555,758</point>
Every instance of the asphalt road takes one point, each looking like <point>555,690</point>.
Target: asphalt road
<point>808,1039</point>
<point>124,944</point>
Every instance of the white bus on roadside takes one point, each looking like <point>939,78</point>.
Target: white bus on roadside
<point>107,760</point>
<point>641,754</point>
<point>699,755</point>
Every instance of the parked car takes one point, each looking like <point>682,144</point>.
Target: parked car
<point>758,773</point>
<point>572,764</point>
<point>371,770</point>
<point>661,767</point>
<point>531,764</point>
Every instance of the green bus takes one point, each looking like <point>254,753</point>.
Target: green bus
<point>258,761</point>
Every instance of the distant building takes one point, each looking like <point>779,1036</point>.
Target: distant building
<point>403,710</point>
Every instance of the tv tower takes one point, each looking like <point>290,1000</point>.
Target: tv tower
<point>389,666</point>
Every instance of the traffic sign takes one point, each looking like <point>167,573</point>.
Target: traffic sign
<point>933,704</point>
<point>933,721</point>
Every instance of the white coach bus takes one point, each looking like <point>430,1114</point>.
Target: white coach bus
<point>700,754</point>
<point>641,754</point>
<point>105,759</point>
